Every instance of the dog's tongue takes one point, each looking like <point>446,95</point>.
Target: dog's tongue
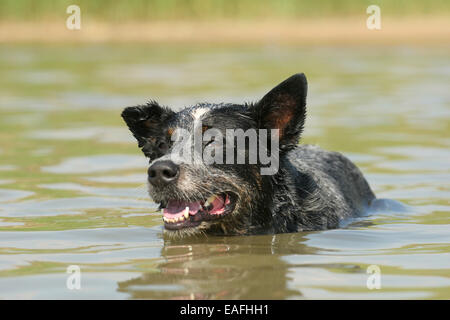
<point>176,209</point>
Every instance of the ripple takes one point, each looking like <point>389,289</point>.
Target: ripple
<point>420,158</point>
<point>100,163</point>
<point>10,195</point>
<point>130,178</point>
<point>8,167</point>
<point>68,206</point>
<point>101,134</point>
<point>136,193</point>
<point>381,237</point>
<point>10,224</point>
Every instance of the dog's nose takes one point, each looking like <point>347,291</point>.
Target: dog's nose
<point>162,173</point>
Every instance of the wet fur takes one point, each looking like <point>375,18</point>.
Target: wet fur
<point>313,189</point>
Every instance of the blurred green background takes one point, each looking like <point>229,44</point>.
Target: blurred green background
<point>218,9</point>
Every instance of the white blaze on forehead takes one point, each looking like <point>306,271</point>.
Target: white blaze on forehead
<point>184,140</point>
<point>197,113</point>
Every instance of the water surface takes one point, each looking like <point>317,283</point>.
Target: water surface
<point>72,181</point>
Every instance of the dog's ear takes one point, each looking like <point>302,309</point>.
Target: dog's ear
<point>284,108</point>
<point>147,123</point>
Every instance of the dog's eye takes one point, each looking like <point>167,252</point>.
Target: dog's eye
<point>162,146</point>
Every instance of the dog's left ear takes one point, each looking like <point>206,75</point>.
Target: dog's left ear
<point>284,108</point>
<point>147,122</point>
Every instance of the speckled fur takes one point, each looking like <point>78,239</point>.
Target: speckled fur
<point>313,189</point>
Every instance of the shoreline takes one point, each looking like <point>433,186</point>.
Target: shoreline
<point>412,30</point>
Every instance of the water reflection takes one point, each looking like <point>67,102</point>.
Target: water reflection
<point>222,268</point>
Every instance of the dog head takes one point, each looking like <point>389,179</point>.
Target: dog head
<point>206,161</point>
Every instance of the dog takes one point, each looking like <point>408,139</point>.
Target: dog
<point>312,189</point>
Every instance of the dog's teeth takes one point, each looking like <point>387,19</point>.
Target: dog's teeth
<point>176,219</point>
<point>209,201</point>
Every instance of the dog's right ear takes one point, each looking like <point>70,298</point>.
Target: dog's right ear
<point>146,122</point>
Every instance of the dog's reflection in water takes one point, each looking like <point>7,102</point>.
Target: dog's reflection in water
<point>247,267</point>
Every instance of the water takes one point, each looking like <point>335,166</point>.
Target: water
<point>72,181</point>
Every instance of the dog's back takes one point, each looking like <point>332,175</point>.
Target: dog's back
<point>337,187</point>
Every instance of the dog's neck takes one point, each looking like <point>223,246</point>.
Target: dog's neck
<point>291,189</point>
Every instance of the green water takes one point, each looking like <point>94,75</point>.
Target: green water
<point>73,183</point>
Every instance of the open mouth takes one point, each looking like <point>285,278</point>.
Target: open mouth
<point>180,214</point>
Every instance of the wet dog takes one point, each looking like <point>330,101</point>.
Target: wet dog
<point>310,188</point>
